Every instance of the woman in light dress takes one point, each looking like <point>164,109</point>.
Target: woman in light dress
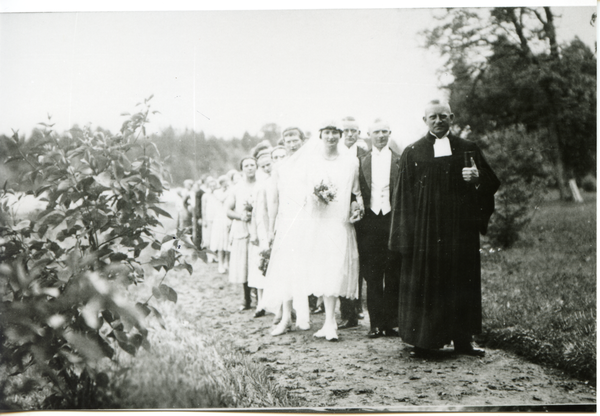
<point>240,204</point>
<point>315,251</point>
<point>209,209</point>
<point>259,228</point>
<point>219,237</point>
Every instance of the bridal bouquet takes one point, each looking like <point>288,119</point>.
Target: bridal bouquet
<point>325,192</point>
<point>265,255</point>
<point>248,207</point>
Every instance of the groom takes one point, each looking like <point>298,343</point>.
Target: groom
<point>380,267</point>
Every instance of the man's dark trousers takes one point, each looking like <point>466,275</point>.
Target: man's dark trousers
<point>350,308</point>
<point>380,268</point>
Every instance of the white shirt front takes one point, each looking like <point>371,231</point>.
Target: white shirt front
<point>381,162</point>
<point>441,146</point>
<point>354,148</point>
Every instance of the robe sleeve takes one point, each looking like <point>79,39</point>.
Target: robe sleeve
<point>403,207</point>
<point>488,185</point>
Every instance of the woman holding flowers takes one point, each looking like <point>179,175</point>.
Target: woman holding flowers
<point>333,179</point>
<point>239,210</point>
<point>321,256</point>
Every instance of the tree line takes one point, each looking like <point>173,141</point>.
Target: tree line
<point>508,71</point>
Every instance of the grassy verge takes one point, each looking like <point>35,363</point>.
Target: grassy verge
<point>190,367</point>
<point>540,296</point>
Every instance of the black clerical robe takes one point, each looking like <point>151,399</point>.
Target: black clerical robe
<point>436,221</point>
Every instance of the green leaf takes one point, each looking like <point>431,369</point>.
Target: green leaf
<point>53,219</point>
<point>23,225</point>
<point>120,336</point>
<point>167,238</point>
<point>109,316</point>
<point>156,292</point>
<point>168,293</point>
<point>64,185</point>
<point>155,182</point>
<point>136,340</point>
<point>185,266</point>
<point>161,211</point>
<point>158,262</point>
<point>127,347</point>
<point>84,346</point>
<point>159,317</point>
<point>202,255</point>
<point>118,257</point>
<point>103,179</point>
<point>143,309</point>
<point>146,344</point>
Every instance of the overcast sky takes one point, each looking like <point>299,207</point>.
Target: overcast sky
<point>226,72</point>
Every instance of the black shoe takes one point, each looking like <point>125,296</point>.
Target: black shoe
<point>391,332</point>
<point>347,324</point>
<point>260,313</point>
<point>418,352</point>
<point>467,348</point>
<point>244,308</point>
<point>375,333</point>
<point>424,353</point>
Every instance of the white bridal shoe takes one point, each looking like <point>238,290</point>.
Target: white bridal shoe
<point>303,326</point>
<point>329,333</point>
<point>281,328</point>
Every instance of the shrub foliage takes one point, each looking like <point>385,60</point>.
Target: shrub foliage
<point>64,271</point>
<point>517,157</point>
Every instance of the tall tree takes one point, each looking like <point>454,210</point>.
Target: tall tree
<point>508,69</point>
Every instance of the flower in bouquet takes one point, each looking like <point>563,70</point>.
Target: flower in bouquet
<point>263,265</point>
<point>248,207</point>
<point>325,192</point>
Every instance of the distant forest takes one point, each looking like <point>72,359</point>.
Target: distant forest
<point>187,154</point>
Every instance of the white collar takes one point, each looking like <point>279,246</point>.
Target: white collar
<point>384,150</point>
<point>445,136</point>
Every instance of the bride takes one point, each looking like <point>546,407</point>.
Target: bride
<point>315,251</point>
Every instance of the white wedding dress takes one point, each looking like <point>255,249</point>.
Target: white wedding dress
<point>315,249</point>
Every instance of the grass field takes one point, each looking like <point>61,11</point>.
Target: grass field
<point>539,297</point>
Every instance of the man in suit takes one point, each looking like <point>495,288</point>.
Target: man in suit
<point>352,140</point>
<point>197,214</point>
<point>380,267</point>
<point>351,309</point>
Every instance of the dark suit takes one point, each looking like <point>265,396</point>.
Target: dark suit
<point>350,308</point>
<point>379,266</point>
<point>197,215</point>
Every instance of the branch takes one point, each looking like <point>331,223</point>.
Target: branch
<point>519,29</point>
<point>539,16</point>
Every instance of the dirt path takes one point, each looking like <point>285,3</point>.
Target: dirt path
<point>360,372</point>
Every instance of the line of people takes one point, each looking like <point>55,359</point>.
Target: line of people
<point>331,212</point>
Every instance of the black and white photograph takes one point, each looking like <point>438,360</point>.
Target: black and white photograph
<point>298,206</point>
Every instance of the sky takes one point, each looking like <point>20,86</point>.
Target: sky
<point>226,72</point>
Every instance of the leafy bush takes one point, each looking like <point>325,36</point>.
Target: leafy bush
<point>64,271</point>
<point>588,183</point>
<point>517,159</point>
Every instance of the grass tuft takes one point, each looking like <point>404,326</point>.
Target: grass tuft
<point>190,366</point>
